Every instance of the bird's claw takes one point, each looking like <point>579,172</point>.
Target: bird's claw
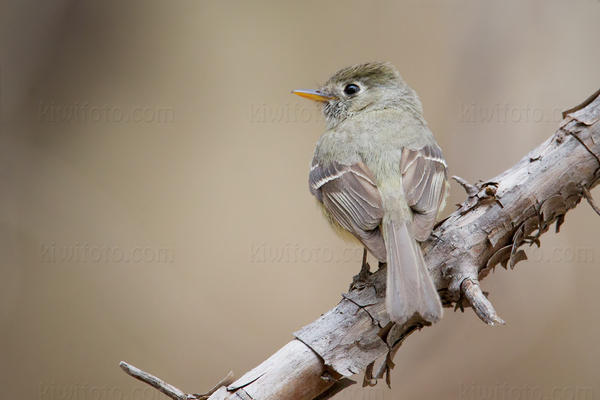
<point>359,280</point>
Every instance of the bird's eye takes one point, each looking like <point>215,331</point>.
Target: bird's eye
<point>351,89</point>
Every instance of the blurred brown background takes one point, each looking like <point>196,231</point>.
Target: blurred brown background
<point>155,207</point>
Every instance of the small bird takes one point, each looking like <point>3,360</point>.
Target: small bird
<point>379,174</point>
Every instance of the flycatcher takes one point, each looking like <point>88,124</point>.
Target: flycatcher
<point>379,174</point>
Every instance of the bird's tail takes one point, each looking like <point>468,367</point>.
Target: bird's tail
<point>410,289</point>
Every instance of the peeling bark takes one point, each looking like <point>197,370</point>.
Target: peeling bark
<point>490,228</point>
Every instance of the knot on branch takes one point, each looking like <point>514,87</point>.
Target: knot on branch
<point>477,194</point>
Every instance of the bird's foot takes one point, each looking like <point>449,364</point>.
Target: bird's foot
<point>359,281</point>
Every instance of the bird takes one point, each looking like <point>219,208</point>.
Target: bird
<point>379,174</point>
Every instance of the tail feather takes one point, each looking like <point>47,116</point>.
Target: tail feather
<point>410,289</point>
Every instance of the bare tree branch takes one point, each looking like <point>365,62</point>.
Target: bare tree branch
<point>153,381</point>
<point>488,229</point>
<point>168,389</point>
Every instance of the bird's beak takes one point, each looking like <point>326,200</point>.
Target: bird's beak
<point>313,95</point>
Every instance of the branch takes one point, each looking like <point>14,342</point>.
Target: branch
<point>168,389</point>
<point>488,229</point>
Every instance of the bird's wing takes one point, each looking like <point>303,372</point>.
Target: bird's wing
<point>424,180</point>
<point>350,196</point>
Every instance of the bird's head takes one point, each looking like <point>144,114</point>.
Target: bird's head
<point>362,88</point>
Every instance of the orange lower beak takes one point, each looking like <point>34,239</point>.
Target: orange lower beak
<point>313,95</point>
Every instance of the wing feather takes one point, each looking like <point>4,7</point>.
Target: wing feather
<point>424,179</point>
<point>350,196</point>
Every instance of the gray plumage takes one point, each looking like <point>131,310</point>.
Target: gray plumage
<point>379,174</point>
